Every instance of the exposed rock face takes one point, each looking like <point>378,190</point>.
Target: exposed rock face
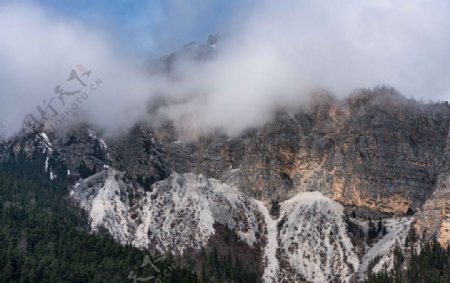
<point>434,217</point>
<point>140,155</point>
<point>108,198</point>
<point>309,241</point>
<point>179,212</point>
<point>313,240</point>
<point>374,151</point>
<point>380,255</point>
<point>192,51</point>
<point>82,151</point>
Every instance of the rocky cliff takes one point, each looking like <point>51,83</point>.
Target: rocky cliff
<point>302,194</point>
<point>375,149</point>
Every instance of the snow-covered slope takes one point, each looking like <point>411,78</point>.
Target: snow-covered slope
<point>380,255</point>
<point>313,239</point>
<point>108,198</point>
<point>309,240</point>
<point>270,252</point>
<point>181,212</point>
<point>178,213</point>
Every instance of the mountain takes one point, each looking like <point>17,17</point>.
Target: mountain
<point>332,192</point>
<point>339,190</point>
<point>45,238</point>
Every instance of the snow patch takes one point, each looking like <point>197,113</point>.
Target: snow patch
<point>270,258</point>
<point>308,242</point>
<point>92,134</point>
<point>46,164</point>
<point>382,251</point>
<point>104,196</point>
<point>179,212</point>
<point>104,147</point>
<point>314,240</point>
<point>45,143</point>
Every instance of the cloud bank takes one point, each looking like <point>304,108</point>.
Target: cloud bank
<point>274,54</point>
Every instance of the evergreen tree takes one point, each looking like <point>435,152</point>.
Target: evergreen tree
<point>46,239</point>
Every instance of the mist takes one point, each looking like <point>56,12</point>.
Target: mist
<point>274,54</point>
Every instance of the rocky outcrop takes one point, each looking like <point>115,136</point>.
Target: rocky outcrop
<point>140,155</point>
<point>313,240</point>
<point>192,51</point>
<point>82,151</point>
<point>285,190</point>
<point>375,149</point>
<point>178,213</point>
<point>309,241</point>
<point>433,219</point>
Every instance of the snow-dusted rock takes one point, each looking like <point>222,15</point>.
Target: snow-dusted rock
<point>308,241</point>
<point>313,240</point>
<point>380,255</point>
<point>178,213</point>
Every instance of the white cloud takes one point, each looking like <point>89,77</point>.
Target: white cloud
<point>271,57</point>
<point>37,52</point>
<point>283,49</point>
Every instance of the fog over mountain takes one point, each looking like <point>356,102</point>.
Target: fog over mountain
<point>273,54</point>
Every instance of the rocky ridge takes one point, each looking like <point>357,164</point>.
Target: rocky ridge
<point>292,191</point>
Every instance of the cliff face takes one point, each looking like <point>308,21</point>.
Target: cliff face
<point>296,193</point>
<point>434,216</point>
<point>375,149</point>
<point>178,214</point>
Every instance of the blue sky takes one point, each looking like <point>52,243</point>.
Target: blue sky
<point>152,26</point>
